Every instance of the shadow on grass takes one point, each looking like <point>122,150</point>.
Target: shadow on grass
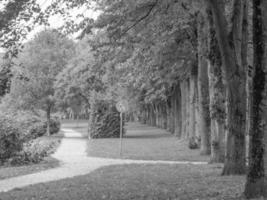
<point>140,182</point>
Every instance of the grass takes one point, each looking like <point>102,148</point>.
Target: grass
<point>157,182</point>
<point>8,172</point>
<point>51,143</point>
<point>143,181</point>
<point>140,142</point>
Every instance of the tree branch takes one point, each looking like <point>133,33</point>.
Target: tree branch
<point>140,19</point>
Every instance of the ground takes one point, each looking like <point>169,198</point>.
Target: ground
<point>162,182</point>
<point>140,142</point>
<point>8,172</point>
<point>138,181</point>
<point>52,142</point>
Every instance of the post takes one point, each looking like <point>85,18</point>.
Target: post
<point>121,125</point>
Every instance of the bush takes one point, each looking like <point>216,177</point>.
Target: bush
<point>34,151</point>
<point>104,121</point>
<point>17,129</point>
<point>39,129</point>
<point>54,125</point>
<point>11,138</point>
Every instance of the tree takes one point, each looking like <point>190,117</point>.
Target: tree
<point>216,95</point>
<point>13,14</point>
<point>32,85</point>
<point>19,17</point>
<point>234,76</point>
<point>203,86</point>
<point>256,184</point>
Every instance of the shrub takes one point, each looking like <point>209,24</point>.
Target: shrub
<point>54,125</point>
<point>11,138</point>
<point>104,121</point>
<point>17,129</point>
<point>34,151</point>
<point>38,129</point>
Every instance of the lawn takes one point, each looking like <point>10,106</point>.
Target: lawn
<point>51,143</point>
<point>8,172</point>
<point>140,181</point>
<point>123,182</point>
<point>140,142</point>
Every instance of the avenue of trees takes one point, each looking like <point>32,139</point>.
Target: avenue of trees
<point>195,68</point>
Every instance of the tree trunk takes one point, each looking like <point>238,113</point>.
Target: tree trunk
<point>172,111</point>
<point>216,98</point>
<point>187,102</point>
<point>256,184</point>
<point>192,111</point>
<point>157,115</point>
<point>164,114</point>
<point>170,117</point>
<point>92,115</point>
<point>177,112</point>
<point>184,107</point>
<point>203,89</point>
<point>48,116</point>
<point>234,76</point>
<point>153,114</point>
<point>244,58</point>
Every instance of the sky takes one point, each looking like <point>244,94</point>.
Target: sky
<point>55,21</point>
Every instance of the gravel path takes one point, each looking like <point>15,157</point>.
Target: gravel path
<point>74,162</point>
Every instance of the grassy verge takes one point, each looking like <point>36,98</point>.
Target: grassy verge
<point>48,144</point>
<point>157,182</point>
<point>140,142</point>
<point>8,172</point>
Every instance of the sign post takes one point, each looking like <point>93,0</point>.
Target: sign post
<point>122,107</point>
<point>121,130</point>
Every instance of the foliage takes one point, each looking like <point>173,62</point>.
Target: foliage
<point>75,82</point>
<point>11,139</point>
<point>19,133</point>
<point>141,66</point>
<point>5,75</point>
<point>32,83</point>
<point>34,151</point>
<point>104,120</point>
<point>32,125</point>
<point>38,129</point>
<point>41,60</point>
<point>18,18</point>
<point>14,12</point>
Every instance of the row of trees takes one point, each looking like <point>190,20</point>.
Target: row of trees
<point>192,75</point>
<point>183,65</point>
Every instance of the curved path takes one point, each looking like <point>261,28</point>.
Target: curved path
<point>74,162</point>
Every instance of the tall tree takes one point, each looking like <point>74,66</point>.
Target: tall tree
<point>203,86</point>
<point>234,76</point>
<point>256,184</point>
<point>216,94</point>
<point>32,84</point>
